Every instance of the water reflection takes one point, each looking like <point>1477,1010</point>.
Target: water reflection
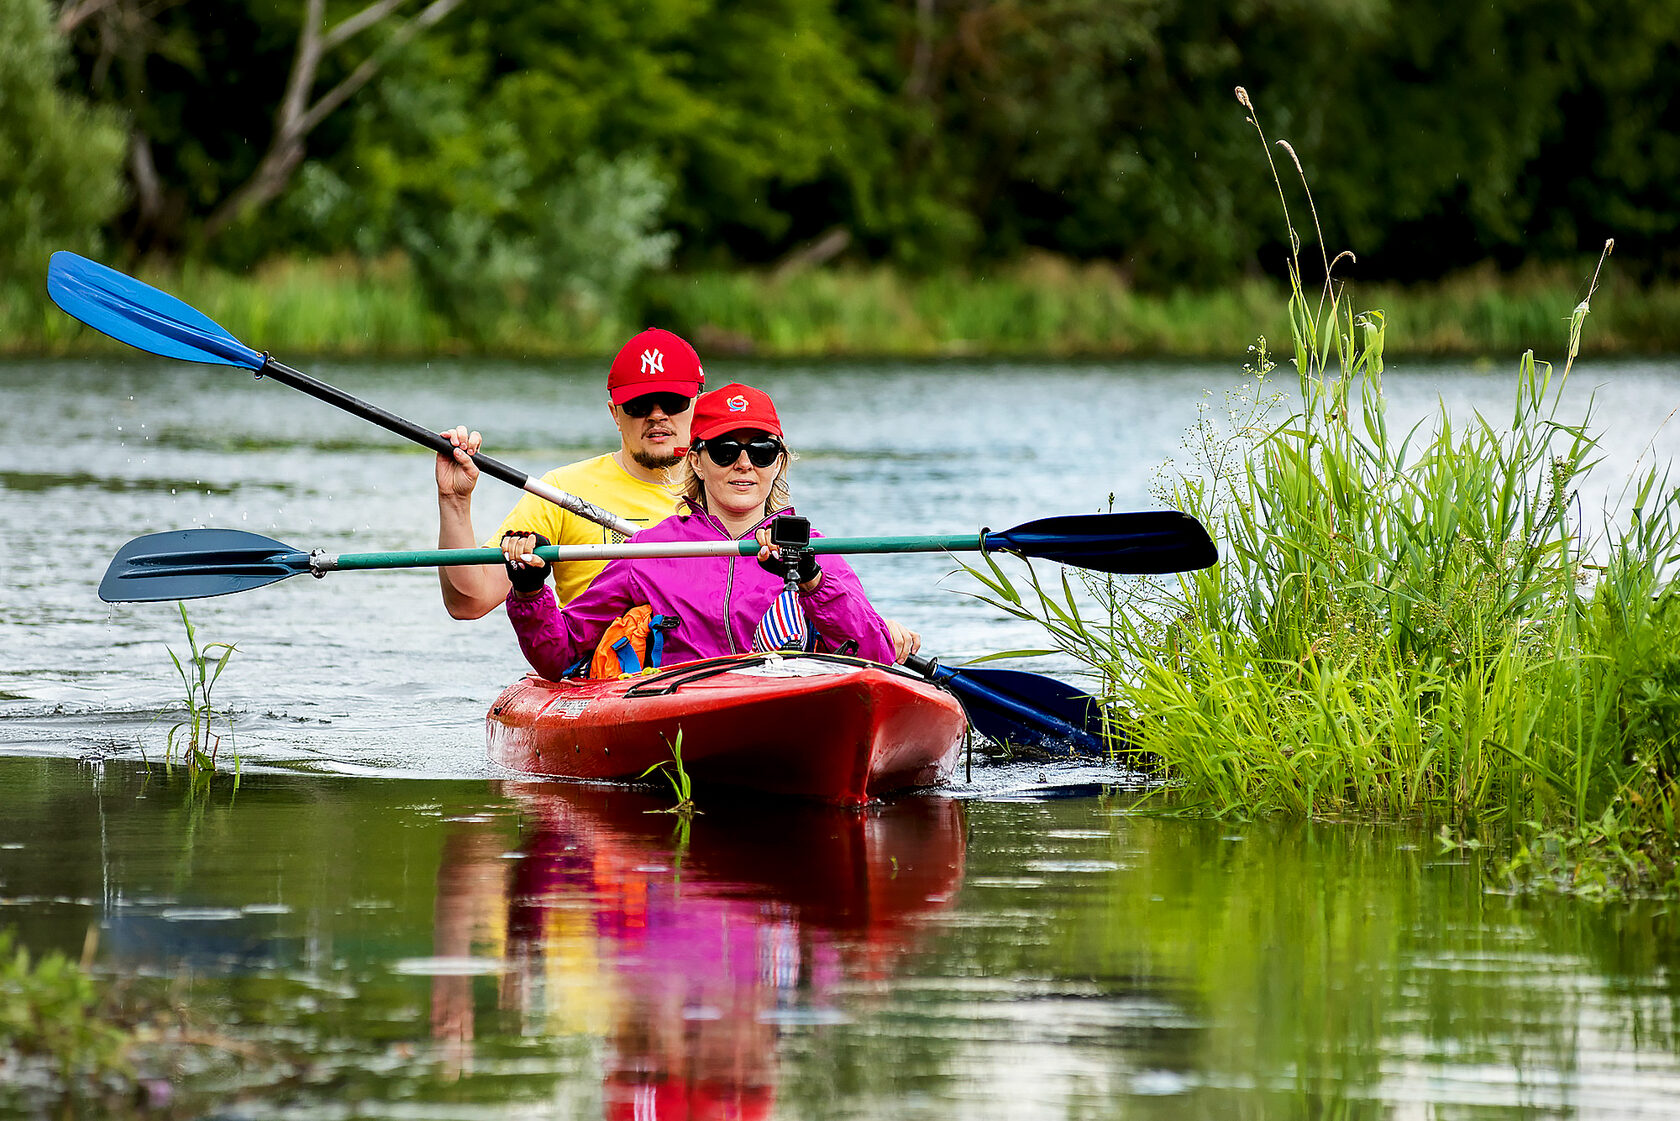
<point>687,947</point>
<point>447,949</point>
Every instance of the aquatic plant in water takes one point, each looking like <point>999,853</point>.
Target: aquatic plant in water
<point>1406,623</point>
<point>195,737</point>
<point>677,775</point>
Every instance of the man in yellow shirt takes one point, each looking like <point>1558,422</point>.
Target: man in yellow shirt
<point>650,388</point>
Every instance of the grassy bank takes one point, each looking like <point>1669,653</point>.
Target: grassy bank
<point>1421,624</point>
<point>1404,624</point>
<point>1040,307</point>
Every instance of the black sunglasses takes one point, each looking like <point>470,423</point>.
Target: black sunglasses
<point>642,407</point>
<point>761,452</point>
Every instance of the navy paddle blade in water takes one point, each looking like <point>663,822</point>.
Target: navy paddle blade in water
<point>141,316</point>
<point>1151,542</point>
<point>197,563</point>
<point>1021,708</point>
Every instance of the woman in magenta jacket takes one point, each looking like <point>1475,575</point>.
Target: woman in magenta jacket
<point>734,482</point>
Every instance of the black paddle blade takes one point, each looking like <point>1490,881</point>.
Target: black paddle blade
<point>1026,709</point>
<point>1144,543</point>
<point>195,563</point>
<point>141,316</point>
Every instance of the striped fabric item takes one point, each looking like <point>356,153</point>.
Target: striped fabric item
<point>783,626</point>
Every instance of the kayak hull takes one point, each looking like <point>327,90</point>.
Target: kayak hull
<point>815,726</point>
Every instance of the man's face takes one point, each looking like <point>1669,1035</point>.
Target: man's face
<point>652,437</point>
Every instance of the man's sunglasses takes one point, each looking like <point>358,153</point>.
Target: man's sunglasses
<point>761,452</point>
<point>642,407</point>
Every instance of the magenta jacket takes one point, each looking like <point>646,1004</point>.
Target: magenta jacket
<point>719,601</point>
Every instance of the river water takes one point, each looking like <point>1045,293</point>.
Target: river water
<point>408,931</point>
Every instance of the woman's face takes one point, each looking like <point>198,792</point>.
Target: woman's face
<point>737,490</point>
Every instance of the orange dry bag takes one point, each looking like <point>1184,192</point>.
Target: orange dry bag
<point>635,643</point>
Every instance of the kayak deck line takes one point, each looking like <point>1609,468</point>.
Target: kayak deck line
<point>673,678</point>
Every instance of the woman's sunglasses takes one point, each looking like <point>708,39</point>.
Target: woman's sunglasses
<point>641,407</point>
<point>761,452</point>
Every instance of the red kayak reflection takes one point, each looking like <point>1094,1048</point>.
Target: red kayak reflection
<point>688,948</point>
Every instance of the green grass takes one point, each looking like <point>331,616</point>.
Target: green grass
<point>1039,306</point>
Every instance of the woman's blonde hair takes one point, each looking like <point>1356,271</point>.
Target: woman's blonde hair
<point>691,491</point>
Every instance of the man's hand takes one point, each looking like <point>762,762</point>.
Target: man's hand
<point>457,474</point>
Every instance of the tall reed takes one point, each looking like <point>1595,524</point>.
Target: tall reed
<point>1401,623</point>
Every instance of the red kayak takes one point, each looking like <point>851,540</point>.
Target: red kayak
<point>814,725</point>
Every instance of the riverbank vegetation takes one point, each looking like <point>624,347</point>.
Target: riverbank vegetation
<point>1404,624</point>
<point>1044,306</point>
<point>805,176</point>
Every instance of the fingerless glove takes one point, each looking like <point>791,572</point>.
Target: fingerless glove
<point>526,578</point>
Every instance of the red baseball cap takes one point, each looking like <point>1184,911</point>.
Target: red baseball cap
<point>655,361</point>
<point>733,406</point>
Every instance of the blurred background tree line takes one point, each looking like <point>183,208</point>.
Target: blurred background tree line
<point>558,150</point>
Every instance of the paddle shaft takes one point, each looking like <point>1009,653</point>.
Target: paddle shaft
<point>389,421</point>
<point>444,558</point>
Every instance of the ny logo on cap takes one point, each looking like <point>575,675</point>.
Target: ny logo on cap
<point>653,362</point>
<point>737,404</point>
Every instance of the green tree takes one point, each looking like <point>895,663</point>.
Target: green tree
<point>737,103</point>
<point>534,153</point>
<point>226,98</point>
<point>493,222</point>
<point>552,149</point>
<point>1438,134</point>
<point>60,158</point>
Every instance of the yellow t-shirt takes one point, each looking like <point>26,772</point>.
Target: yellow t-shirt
<point>600,482</point>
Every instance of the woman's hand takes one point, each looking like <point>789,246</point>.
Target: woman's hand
<point>770,559</point>
<point>905,641</point>
<point>526,571</point>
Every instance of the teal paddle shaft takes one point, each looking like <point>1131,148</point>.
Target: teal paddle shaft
<point>446,558</point>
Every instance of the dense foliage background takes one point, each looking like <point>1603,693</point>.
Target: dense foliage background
<point>560,149</point>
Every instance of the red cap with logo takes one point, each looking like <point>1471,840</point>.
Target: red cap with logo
<point>655,361</point>
<point>733,406</point>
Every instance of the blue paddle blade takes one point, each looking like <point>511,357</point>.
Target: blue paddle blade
<point>140,315</point>
<point>1025,709</point>
<point>1143,543</point>
<point>195,563</point>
